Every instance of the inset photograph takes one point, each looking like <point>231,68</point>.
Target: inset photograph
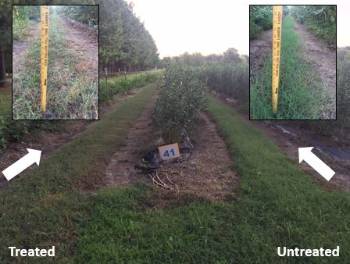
<point>55,62</point>
<point>292,58</point>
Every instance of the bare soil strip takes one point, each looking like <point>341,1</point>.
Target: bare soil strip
<point>82,41</point>
<point>290,138</point>
<point>20,48</point>
<point>259,49</point>
<point>121,169</point>
<point>323,61</point>
<point>207,174</point>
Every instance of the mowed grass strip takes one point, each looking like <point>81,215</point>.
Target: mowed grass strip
<point>41,207</point>
<point>279,205</point>
<point>301,93</point>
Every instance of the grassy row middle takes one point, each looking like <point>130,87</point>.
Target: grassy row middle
<point>301,93</point>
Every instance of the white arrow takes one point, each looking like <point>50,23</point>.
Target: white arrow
<point>318,165</point>
<point>33,156</point>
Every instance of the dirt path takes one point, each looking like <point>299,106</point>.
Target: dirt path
<point>259,49</point>
<point>206,173</point>
<point>121,169</point>
<point>323,61</point>
<point>20,48</point>
<point>336,154</point>
<point>81,41</point>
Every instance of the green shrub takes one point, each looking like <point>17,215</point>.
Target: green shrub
<point>260,18</point>
<point>231,79</point>
<point>181,99</point>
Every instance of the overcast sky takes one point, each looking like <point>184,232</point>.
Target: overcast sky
<point>212,26</point>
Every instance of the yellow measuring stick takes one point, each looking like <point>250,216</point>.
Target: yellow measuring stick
<point>44,53</point>
<point>276,53</point>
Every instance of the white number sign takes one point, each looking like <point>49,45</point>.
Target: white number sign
<point>168,152</point>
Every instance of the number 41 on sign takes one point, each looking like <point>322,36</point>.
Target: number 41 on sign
<point>168,152</point>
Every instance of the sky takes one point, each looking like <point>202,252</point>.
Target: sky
<point>213,26</point>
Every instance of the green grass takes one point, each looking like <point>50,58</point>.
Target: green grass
<point>44,206</point>
<point>5,114</point>
<point>278,205</point>
<point>301,93</point>
<point>121,84</point>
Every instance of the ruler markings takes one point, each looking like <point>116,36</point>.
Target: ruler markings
<point>276,54</point>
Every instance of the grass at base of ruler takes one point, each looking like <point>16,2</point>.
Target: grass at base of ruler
<point>301,95</point>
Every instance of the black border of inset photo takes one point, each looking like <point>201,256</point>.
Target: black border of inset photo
<point>336,54</point>
<point>98,64</point>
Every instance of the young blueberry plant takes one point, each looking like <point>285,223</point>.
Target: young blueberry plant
<point>181,99</point>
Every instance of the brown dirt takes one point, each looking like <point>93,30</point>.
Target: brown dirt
<point>259,49</point>
<point>20,47</point>
<point>207,174</point>
<point>290,137</point>
<point>82,41</point>
<point>121,169</point>
<point>323,60</point>
<point>45,141</point>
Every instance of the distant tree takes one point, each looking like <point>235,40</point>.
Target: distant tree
<point>231,55</point>
<point>5,38</point>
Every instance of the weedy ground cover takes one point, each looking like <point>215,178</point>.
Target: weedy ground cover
<point>301,94</point>
<point>72,93</point>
